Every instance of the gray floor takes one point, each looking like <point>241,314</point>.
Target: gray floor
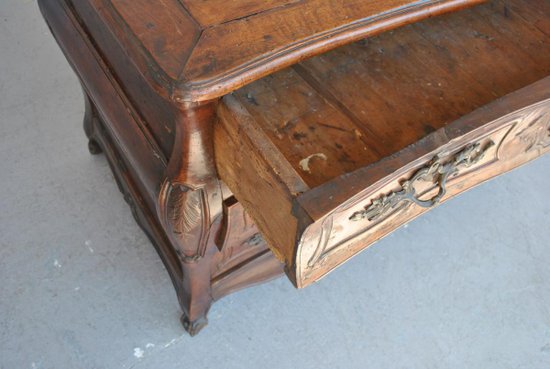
<point>467,286</point>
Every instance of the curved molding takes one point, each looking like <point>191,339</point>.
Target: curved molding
<point>189,60</point>
<point>199,83</point>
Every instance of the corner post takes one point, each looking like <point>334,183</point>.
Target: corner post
<point>190,205</point>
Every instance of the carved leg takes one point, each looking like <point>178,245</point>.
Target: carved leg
<point>198,270</point>
<point>190,205</point>
<point>196,284</point>
<point>189,220</point>
<point>90,115</point>
<point>190,210</point>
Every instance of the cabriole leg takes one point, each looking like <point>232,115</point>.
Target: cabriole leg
<point>190,207</point>
<point>90,115</point>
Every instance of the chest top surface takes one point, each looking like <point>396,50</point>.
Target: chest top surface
<point>203,49</point>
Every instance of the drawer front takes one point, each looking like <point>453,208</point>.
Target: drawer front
<point>314,229</point>
<point>415,188</point>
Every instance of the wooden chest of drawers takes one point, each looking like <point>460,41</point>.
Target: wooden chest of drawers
<point>251,137</point>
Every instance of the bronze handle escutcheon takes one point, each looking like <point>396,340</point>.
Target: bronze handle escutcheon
<point>437,172</point>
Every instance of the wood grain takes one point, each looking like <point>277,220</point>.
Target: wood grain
<point>509,142</point>
<point>368,100</point>
<point>320,159</point>
<point>208,14</point>
<point>401,98</point>
<point>201,50</point>
<point>164,28</point>
<point>119,123</point>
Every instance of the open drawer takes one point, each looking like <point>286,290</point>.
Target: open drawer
<point>334,153</point>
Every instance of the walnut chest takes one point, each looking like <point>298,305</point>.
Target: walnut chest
<point>255,137</point>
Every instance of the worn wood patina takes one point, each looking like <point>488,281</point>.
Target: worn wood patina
<point>252,137</point>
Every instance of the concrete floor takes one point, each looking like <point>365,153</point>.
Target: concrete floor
<point>467,286</point>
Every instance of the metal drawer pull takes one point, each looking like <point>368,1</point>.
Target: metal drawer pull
<point>436,172</point>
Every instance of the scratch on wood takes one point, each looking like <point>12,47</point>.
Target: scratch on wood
<point>333,127</point>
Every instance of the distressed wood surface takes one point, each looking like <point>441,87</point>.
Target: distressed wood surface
<point>200,50</point>
<point>322,158</point>
<point>503,144</point>
<point>306,149</point>
<point>161,156</point>
<point>362,102</point>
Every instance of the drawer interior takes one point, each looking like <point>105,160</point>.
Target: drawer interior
<point>351,107</point>
<point>302,147</point>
